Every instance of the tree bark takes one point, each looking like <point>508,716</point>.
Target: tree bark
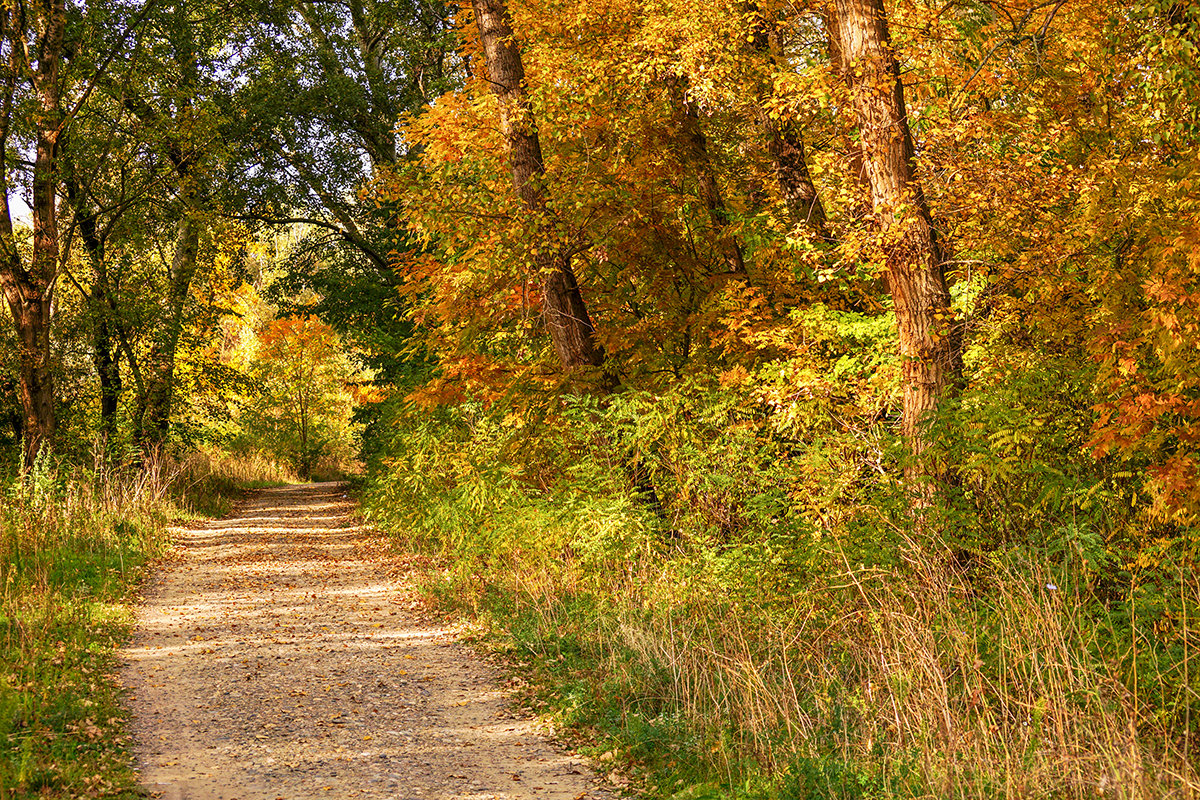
<point>854,147</point>
<point>800,197</point>
<point>563,307</point>
<point>155,414</point>
<point>29,301</point>
<point>930,342</point>
<point>104,356</point>
<point>29,291</point>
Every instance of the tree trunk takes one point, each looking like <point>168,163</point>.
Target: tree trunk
<point>565,312</point>
<point>29,301</point>
<point>33,320</point>
<point>800,197</point>
<point>784,144</point>
<point>103,340</point>
<point>694,145</point>
<point>109,370</point>
<point>29,291</point>
<point>155,414</point>
<point>930,344</point>
<point>853,145</point>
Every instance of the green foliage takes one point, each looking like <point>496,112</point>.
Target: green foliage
<point>728,590</point>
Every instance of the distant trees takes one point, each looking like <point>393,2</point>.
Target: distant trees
<point>302,405</point>
<point>321,87</point>
<point>123,131</point>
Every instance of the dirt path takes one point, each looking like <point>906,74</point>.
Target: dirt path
<point>280,657</point>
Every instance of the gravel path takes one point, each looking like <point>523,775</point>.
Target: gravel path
<point>283,655</point>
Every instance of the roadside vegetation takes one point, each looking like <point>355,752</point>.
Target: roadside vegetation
<point>74,547</point>
<point>768,623</point>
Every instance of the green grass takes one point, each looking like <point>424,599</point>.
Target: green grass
<point>73,550</point>
<point>61,723</point>
<point>63,612</point>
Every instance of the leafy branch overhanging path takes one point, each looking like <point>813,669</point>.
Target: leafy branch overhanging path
<point>280,656</point>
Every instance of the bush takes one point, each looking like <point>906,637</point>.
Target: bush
<point>703,577</point>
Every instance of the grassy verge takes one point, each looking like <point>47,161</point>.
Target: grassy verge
<point>870,686</point>
<point>73,548</point>
<point>720,645</point>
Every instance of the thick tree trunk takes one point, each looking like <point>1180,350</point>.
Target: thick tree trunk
<point>29,291</point>
<point>565,312</point>
<point>35,315</point>
<point>29,303</point>
<point>929,338</point>
<point>853,145</point>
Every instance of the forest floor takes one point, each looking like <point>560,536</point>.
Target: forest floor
<point>284,654</point>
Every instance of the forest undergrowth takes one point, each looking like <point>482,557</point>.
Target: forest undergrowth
<point>74,546</point>
<point>751,612</point>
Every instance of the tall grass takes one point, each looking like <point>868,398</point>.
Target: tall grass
<point>884,685</point>
<point>727,649</point>
<point>206,481</point>
<point>74,542</point>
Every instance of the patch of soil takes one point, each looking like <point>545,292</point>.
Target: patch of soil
<point>283,655</point>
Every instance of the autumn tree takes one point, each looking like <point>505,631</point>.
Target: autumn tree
<point>563,306</point>
<point>930,341</point>
<point>302,409</point>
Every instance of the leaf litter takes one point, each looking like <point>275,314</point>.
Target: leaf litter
<point>283,655</point>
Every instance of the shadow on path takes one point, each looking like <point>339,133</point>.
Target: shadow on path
<point>280,657</point>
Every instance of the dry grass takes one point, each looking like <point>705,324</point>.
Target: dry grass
<point>924,683</point>
<point>207,480</point>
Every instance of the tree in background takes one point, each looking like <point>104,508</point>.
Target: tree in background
<point>303,404</point>
<point>320,90</point>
